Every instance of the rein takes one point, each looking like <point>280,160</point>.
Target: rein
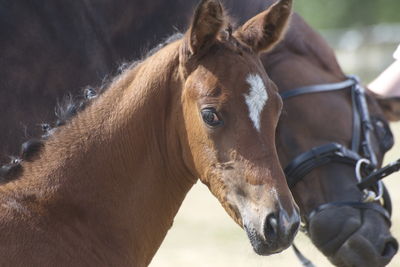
<point>360,155</point>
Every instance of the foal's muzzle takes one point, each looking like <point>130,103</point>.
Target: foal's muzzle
<point>276,234</point>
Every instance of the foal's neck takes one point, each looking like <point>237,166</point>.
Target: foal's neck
<point>119,159</point>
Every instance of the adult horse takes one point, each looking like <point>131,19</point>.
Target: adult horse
<point>325,130</point>
<point>48,48</point>
<point>104,188</point>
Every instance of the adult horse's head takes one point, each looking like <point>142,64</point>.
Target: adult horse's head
<point>348,233</point>
<point>230,113</point>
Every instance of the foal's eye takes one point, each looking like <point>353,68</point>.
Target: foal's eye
<point>211,117</point>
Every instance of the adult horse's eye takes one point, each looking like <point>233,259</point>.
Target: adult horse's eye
<point>384,134</point>
<point>211,117</point>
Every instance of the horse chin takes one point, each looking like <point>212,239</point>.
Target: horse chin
<point>358,251</point>
<point>261,246</point>
<point>352,237</point>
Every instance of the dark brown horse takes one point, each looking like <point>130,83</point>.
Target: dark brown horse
<point>124,29</point>
<point>349,235</point>
<point>48,48</point>
<point>104,188</point>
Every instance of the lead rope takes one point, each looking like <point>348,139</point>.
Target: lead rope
<point>379,174</point>
<point>304,261</point>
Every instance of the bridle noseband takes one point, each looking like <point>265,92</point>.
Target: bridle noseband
<point>360,155</point>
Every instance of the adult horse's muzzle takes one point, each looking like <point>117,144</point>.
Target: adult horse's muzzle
<point>353,237</point>
<point>274,233</point>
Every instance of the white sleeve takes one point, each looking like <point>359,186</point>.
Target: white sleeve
<point>396,54</point>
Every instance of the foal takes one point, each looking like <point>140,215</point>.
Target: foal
<point>105,187</point>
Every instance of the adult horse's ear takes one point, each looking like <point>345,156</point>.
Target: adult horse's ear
<point>266,29</point>
<point>390,107</point>
<point>207,22</point>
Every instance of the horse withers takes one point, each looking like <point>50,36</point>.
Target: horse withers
<point>103,189</point>
<point>320,142</point>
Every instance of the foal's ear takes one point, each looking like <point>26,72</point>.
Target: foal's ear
<point>390,107</point>
<point>207,21</point>
<point>263,31</point>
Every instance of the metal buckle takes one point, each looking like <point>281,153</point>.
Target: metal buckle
<point>359,164</point>
<point>369,195</point>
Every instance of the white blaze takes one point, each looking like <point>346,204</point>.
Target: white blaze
<point>256,98</point>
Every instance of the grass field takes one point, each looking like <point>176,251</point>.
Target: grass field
<point>203,234</point>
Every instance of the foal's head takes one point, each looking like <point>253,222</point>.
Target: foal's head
<point>348,235</point>
<point>230,112</point>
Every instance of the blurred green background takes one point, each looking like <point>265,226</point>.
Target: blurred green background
<point>364,34</point>
<point>331,14</point>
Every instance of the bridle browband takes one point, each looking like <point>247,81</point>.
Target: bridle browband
<point>360,155</point>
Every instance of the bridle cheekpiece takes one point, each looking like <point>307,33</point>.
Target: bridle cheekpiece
<point>360,155</point>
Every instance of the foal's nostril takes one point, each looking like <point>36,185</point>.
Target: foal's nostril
<point>271,226</point>
<point>390,248</point>
<point>294,228</point>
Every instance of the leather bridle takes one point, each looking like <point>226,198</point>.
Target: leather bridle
<point>360,155</point>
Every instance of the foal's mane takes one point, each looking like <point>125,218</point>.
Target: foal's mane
<point>66,109</point>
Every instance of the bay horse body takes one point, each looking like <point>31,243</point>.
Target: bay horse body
<point>105,187</point>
